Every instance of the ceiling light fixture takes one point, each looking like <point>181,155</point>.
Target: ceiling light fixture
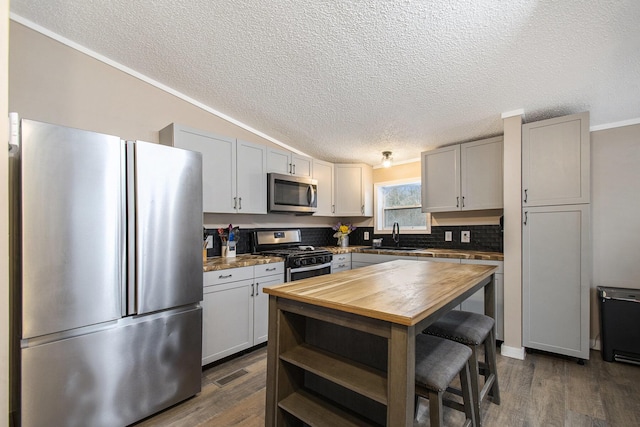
<point>386,159</point>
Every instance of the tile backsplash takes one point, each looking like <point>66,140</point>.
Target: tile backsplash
<point>483,238</point>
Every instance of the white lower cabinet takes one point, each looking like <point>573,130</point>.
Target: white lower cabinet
<point>235,310</point>
<point>265,275</point>
<point>341,262</point>
<point>475,303</point>
<point>362,260</point>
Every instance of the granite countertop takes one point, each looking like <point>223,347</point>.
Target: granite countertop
<point>247,260</point>
<point>243,260</point>
<point>427,252</point>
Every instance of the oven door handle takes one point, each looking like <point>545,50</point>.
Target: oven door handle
<point>310,268</point>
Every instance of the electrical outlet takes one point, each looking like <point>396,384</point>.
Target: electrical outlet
<point>209,241</point>
<point>465,237</point>
<point>366,235</point>
<point>448,236</point>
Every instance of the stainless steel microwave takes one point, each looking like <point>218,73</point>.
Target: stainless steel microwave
<point>292,194</point>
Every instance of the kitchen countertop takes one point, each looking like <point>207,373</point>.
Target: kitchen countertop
<point>246,260</point>
<point>243,260</point>
<point>427,252</point>
<point>401,291</point>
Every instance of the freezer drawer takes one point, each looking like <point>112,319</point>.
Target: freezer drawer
<point>115,376</point>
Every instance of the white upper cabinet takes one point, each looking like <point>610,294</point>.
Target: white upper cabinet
<point>234,176</point>
<point>353,189</point>
<point>463,176</point>
<point>556,161</point>
<point>323,173</point>
<point>218,164</point>
<point>288,163</point>
<point>251,176</point>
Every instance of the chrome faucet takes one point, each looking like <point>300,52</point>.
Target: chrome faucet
<point>395,233</point>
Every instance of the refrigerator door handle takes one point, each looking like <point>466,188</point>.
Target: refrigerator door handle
<point>123,229</point>
<point>129,284</point>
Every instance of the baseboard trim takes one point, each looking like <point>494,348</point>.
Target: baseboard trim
<point>512,352</point>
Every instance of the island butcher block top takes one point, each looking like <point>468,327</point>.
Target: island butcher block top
<point>402,291</point>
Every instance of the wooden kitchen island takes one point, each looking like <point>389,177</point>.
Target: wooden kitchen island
<point>341,348</point>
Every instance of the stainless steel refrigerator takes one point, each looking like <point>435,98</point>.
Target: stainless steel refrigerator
<point>109,277</point>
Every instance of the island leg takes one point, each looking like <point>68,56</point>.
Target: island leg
<point>401,368</point>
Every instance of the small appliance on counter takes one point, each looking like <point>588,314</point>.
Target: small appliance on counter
<point>377,243</point>
<point>300,261</point>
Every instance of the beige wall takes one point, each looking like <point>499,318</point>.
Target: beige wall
<point>4,221</point>
<point>615,204</point>
<point>52,82</point>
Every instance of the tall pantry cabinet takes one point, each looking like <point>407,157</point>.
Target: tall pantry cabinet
<point>555,235</point>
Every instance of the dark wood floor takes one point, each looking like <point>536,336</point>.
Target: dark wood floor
<point>542,390</point>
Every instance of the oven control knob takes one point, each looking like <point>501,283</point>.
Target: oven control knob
<point>296,262</point>
<point>303,262</point>
<point>312,261</point>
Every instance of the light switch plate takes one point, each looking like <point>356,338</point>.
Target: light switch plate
<point>209,241</point>
<point>465,236</point>
<point>448,236</point>
<point>366,235</point>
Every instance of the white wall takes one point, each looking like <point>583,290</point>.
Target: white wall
<point>615,208</point>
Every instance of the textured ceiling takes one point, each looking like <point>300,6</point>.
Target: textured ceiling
<point>345,80</point>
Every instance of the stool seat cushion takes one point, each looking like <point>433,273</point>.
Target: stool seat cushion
<point>462,326</point>
<point>438,361</point>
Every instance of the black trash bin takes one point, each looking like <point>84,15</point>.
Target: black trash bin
<point>620,324</point>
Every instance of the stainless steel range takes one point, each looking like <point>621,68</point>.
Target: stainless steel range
<point>300,261</point>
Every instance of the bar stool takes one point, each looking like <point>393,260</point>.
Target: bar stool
<point>473,330</point>
<point>438,361</point>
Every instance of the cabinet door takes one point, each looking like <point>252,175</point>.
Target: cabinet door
<point>301,165</point>
<point>323,173</point>
<point>475,303</point>
<point>481,174</point>
<point>555,279</point>
<point>441,179</point>
<point>261,307</point>
<point>251,178</point>
<point>218,164</point>
<point>227,326</point>
<point>278,161</point>
<point>556,161</point>
<point>353,190</point>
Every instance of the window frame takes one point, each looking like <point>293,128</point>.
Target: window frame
<point>378,218</point>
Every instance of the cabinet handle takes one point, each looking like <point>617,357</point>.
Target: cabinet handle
<point>240,203</point>
<point>333,208</point>
<point>224,277</point>
<point>526,217</point>
<point>342,265</point>
<point>290,169</point>
<point>235,202</point>
<point>463,201</point>
<point>525,195</point>
<point>457,202</point>
<point>252,289</point>
<point>257,289</point>
<point>294,168</point>
<point>271,269</point>
<point>362,209</point>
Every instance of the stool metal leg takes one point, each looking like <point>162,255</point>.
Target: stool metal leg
<point>475,384</point>
<point>492,368</point>
<point>436,415</point>
<point>467,395</point>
